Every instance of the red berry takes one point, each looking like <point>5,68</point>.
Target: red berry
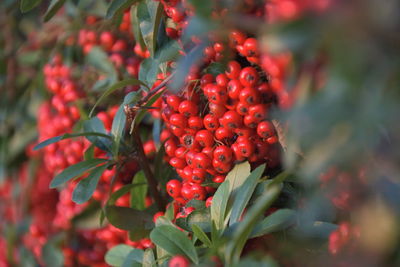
<point>251,47</point>
<point>231,120</point>
<point>211,122</point>
<point>249,76</point>
<point>178,120</point>
<point>259,112</point>
<point>177,163</point>
<point>265,129</point>
<point>188,108</point>
<point>205,138</point>
<point>223,133</point>
<point>195,122</point>
<point>223,154</point>
<point>250,96</point>
<point>221,167</point>
<point>202,161</point>
<point>246,148</point>
<point>238,38</point>
<point>173,101</point>
<point>234,88</point>
<point>222,80</point>
<point>233,70</point>
<point>174,188</point>
<point>198,192</point>
<point>198,176</point>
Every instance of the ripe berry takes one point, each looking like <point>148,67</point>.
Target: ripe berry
<point>249,76</point>
<point>222,80</point>
<point>231,120</point>
<point>177,163</point>
<point>259,112</point>
<point>234,87</point>
<point>209,201</point>
<point>216,110</point>
<point>250,47</point>
<point>217,94</point>
<point>246,148</point>
<point>178,261</point>
<point>198,176</point>
<point>173,101</point>
<point>195,122</point>
<point>218,179</point>
<point>205,138</point>
<point>188,108</point>
<point>223,133</point>
<point>265,129</point>
<point>178,120</point>
<point>238,38</point>
<point>233,70</point>
<point>174,188</point>
<point>223,154</point>
<point>249,95</point>
<point>198,192</point>
<point>221,167</point>
<point>202,161</point>
<point>211,122</point>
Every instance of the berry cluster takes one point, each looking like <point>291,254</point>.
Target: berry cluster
<point>342,237</point>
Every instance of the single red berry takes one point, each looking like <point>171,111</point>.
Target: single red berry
<point>251,47</point>
<point>233,70</point>
<point>265,129</point>
<point>242,108</point>
<point>218,179</point>
<point>198,192</point>
<point>259,112</point>
<point>222,80</point>
<point>180,152</point>
<point>221,167</point>
<point>248,76</point>
<point>211,122</point>
<point>174,188</point>
<point>217,94</point>
<point>231,120</point>
<point>202,161</point>
<point>209,201</point>
<point>198,176</point>
<point>195,122</point>
<point>177,163</point>
<point>208,151</point>
<point>223,134</point>
<point>190,155</point>
<point>216,110</point>
<point>170,147</point>
<point>188,108</point>
<point>218,47</point>
<point>178,120</point>
<point>187,173</point>
<point>238,38</point>
<point>223,154</point>
<point>250,96</point>
<point>173,101</point>
<point>206,79</point>
<point>250,121</point>
<point>234,88</point>
<point>246,148</point>
<point>205,138</point>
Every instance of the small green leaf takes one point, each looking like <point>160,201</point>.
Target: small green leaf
<point>133,259</point>
<point>118,128</point>
<point>174,242</point>
<point>86,187</point>
<point>75,171</point>
<point>148,258</point>
<point>168,52</point>
<point>96,125</point>
<point>201,235</point>
<point>55,5</point>
<point>244,193</point>
<point>149,15</point>
<point>66,136</point>
<point>117,255</point>
<point>27,5</point>
<point>277,221</point>
<point>136,27</point>
<point>148,71</point>
<point>113,88</point>
<point>128,219</point>
<point>219,203</point>
<point>89,152</point>
<point>117,7</point>
<point>138,193</point>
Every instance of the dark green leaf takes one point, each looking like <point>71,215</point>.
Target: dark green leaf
<point>52,254</point>
<point>149,15</point>
<point>148,71</point>
<point>148,258</point>
<point>89,152</point>
<point>97,126</point>
<point>114,87</point>
<point>117,7</point>
<point>128,219</point>
<point>66,136</point>
<point>219,203</point>
<point>200,218</point>
<point>100,60</point>
<point>174,242</point>
<point>118,128</point>
<point>138,193</point>
<point>86,187</point>
<point>133,259</point>
<point>27,5</point>
<point>244,193</point>
<point>201,235</point>
<point>203,8</point>
<point>197,204</point>
<point>277,221</point>
<point>136,27</point>
<point>117,255</point>
<point>55,5</point>
<point>140,115</point>
<point>168,52</point>
<point>75,171</point>
<point>215,68</point>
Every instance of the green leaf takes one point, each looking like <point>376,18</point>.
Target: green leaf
<point>148,258</point>
<point>120,192</point>
<point>203,8</point>
<point>27,5</point>
<point>244,228</point>
<point>113,88</point>
<point>215,68</point>
<point>138,193</point>
<point>149,14</point>
<point>218,205</point>
<point>174,242</point>
<point>277,221</point>
<point>168,52</point>
<point>89,152</point>
<point>66,136</point>
<point>201,235</point>
<point>52,254</point>
<point>133,259</point>
<point>148,71</point>
<point>128,219</point>
<point>55,5</point>
<point>201,218</point>
<point>140,115</point>
<point>136,27</point>
<point>244,193</point>
<point>100,60</point>
<point>96,125</point>
<point>75,171</point>
<point>237,176</point>
<point>118,128</point>
<point>86,187</point>
<point>116,255</point>
<point>117,7</point>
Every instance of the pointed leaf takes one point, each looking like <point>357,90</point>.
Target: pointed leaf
<point>138,193</point>
<point>55,5</point>
<point>117,7</point>
<point>86,187</point>
<point>120,192</point>
<point>27,5</point>
<point>96,125</point>
<point>128,219</point>
<point>277,221</point>
<point>174,242</point>
<point>75,171</point>
<point>201,235</point>
<point>148,258</point>
<point>219,203</point>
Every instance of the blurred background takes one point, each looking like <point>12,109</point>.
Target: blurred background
<point>341,132</point>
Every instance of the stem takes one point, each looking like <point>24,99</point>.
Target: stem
<point>144,164</point>
<point>155,90</point>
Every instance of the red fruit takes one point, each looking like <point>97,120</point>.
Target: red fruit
<point>208,151</point>
<point>238,38</point>
<point>206,79</point>
<point>177,163</point>
<point>188,108</point>
<point>265,129</point>
<point>178,261</point>
<point>211,122</point>
<point>209,52</point>
<point>190,155</point>
<point>218,47</point>
<point>205,138</point>
<point>218,179</point>
<point>250,121</point>
<point>198,176</point>
<point>202,161</point>
<point>187,173</point>
<point>174,188</point>
<point>242,108</point>
<point>170,147</point>
<point>217,94</point>
<point>259,112</point>
<point>216,110</point>
<point>175,14</point>
<point>233,70</point>
<point>223,154</point>
<point>178,120</point>
<point>245,148</point>
<point>195,122</point>
<point>249,76</point>
<point>222,80</point>
<point>231,120</point>
<point>250,47</point>
<point>245,132</point>
<point>234,88</point>
<point>222,134</point>
<point>180,152</point>
<point>198,192</point>
<point>250,96</point>
<point>221,167</point>
<point>173,101</point>
<point>157,214</point>
<point>209,201</point>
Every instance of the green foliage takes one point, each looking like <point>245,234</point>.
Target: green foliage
<point>118,254</point>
